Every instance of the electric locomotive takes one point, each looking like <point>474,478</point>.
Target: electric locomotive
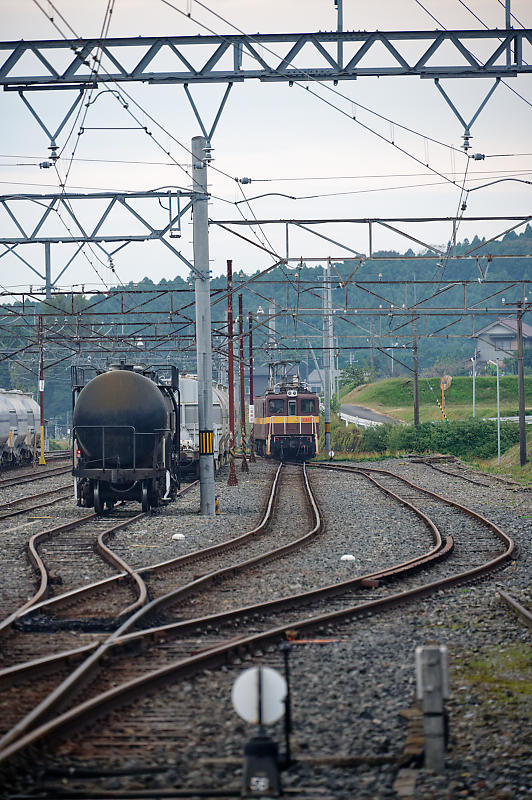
<point>286,421</point>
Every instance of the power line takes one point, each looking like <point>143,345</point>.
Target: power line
<point>311,78</point>
<point>477,60</point>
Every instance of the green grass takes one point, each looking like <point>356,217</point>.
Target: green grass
<point>510,466</point>
<point>395,397</point>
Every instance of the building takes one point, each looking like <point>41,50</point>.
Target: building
<point>499,339</point>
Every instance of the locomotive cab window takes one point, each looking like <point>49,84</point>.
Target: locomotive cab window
<point>292,408</point>
<point>307,405</point>
<point>277,406</point>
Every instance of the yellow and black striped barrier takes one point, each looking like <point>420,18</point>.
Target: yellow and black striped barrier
<point>206,443</point>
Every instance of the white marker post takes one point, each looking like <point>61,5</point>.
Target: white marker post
<point>258,697</point>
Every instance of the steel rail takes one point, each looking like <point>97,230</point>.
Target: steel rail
<point>34,476</point>
<point>172,562</point>
<point>16,512</point>
<point>40,567</point>
<point>440,548</point>
<point>127,692</point>
<point>109,699</point>
<point>62,692</point>
<point>42,666</point>
<point>21,500</point>
<point>34,716</point>
<point>36,601</point>
<point>512,483</point>
<point>469,511</point>
<point>516,607</point>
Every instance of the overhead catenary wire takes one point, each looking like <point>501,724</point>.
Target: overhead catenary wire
<point>478,61</point>
<point>86,93</point>
<point>320,83</point>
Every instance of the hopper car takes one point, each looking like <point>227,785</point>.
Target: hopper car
<point>188,390</point>
<point>19,427</point>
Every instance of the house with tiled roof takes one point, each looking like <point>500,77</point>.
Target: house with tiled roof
<point>499,339</point>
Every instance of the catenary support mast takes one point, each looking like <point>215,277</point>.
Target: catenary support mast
<point>326,360</point>
<point>203,324</point>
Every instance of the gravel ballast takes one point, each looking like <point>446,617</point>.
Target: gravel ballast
<point>353,683</point>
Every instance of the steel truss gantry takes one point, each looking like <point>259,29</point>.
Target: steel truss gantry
<point>166,59</point>
<point>64,210</point>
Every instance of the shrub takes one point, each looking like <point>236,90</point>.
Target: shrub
<point>465,438</point>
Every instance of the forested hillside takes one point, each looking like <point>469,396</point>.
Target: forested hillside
<point>293,290</point>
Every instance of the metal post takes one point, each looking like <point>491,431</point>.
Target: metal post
<point>331,329</point>
<point>521,385</point>
<point>508,25</point>
<point>243,436</point>
<point>232,479</point>
<point>431,674</point>
<point>42,460</point>
<point>498,417</point>
<point>326,362</point>
<point>48,270</point>
<point>474,360</point>
<point>203,324</point>
<point>340,52</point>
<point>251,395</point>
<point>416,370</point>
<point>272,324</point>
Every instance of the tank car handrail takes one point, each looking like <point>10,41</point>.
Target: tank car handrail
<point>113,427</point>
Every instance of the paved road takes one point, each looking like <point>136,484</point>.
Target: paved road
<point>366,413</point>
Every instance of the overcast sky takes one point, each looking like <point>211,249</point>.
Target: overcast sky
<point>271,131</point>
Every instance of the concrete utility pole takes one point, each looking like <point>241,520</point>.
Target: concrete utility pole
<point>521,385</point>
<point>326,360</point>
<point>203,324</point>
<point>416,370</point>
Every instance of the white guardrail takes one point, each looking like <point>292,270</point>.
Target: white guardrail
<point>363,423</point>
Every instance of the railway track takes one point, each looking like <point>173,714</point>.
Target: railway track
<point>20,475</point>
<point>210,640</point>
<point>487,479</point>
<point>35,502</point>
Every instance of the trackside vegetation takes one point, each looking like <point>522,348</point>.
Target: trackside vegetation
<point>467,439</point>
<point>394,397</point>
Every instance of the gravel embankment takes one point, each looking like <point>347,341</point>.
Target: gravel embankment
<point>350,682</point>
